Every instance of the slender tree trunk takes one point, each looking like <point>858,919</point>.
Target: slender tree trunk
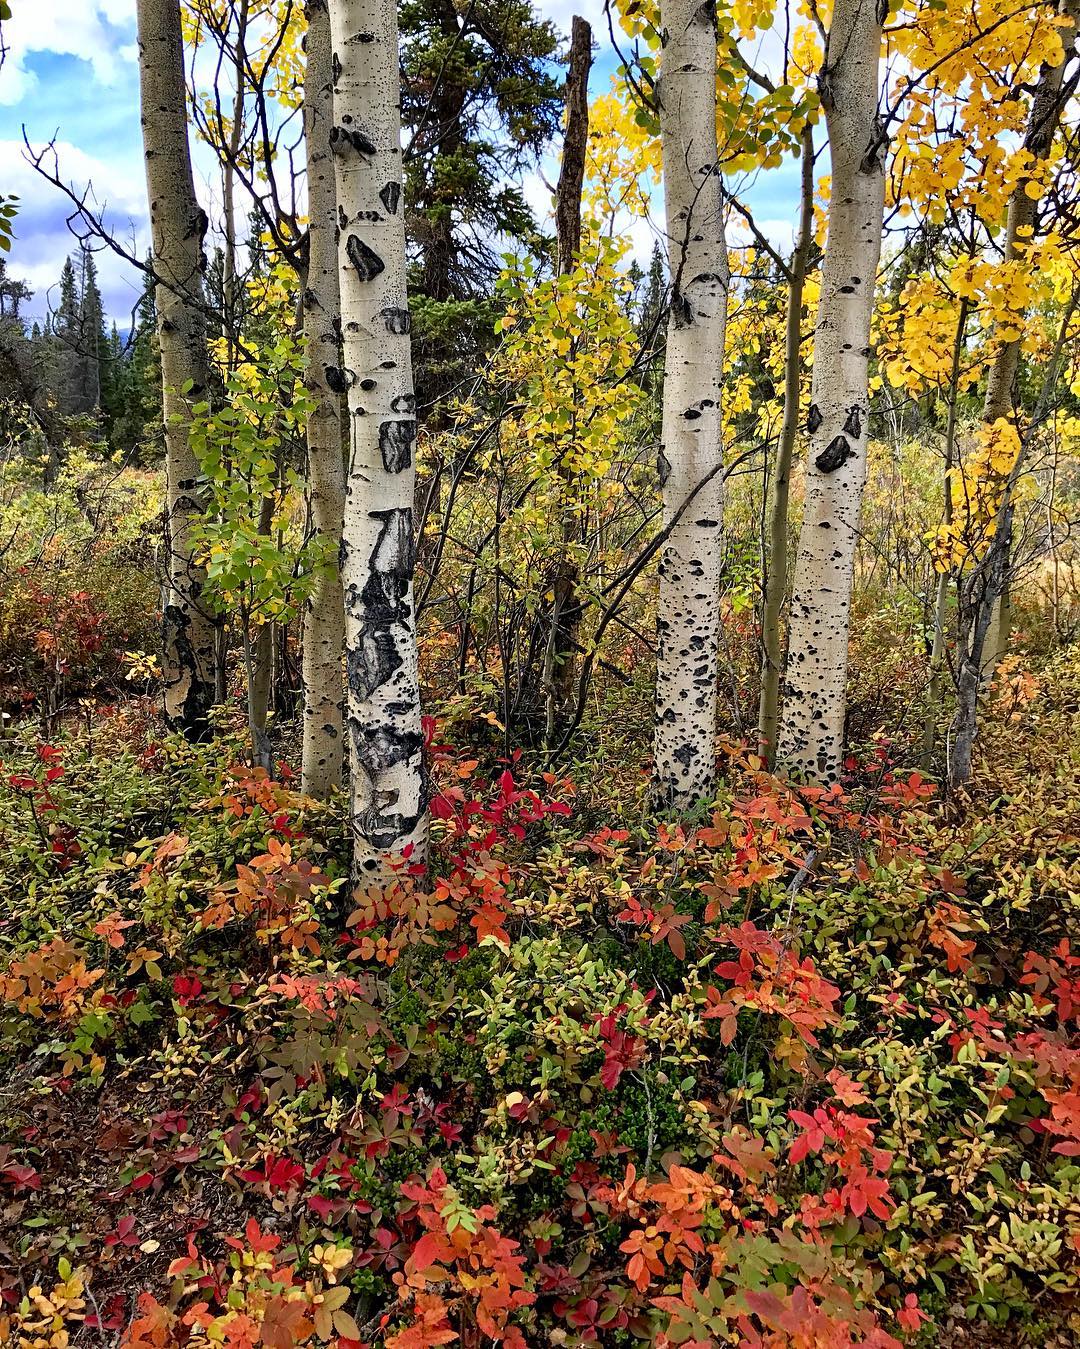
<point>324,620</point>
<point>941,588</point>
<point>691,454</point>
<point>388,791</point>
<point>978,590</point>
<point>812,733</point>
<point>562,635</point>
<point>230,288</point>
<point>259,666</point>
<point>1047,105</point>
<point>575,147</point>
<point>776,569</point>
<point>981,609</point>
<point>177,227</point>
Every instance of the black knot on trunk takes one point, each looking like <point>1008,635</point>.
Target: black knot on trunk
<point>835,455</point>
<point>367,262</point>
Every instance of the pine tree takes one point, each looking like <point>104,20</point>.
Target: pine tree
<point>66,332</point>
<point>480,101</point>
<point>94,348</point>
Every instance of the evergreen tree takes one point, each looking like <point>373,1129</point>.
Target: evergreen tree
<point>66,326</point>
<point>479,103</point>
<point>136,417</point>
<point>94,346</point>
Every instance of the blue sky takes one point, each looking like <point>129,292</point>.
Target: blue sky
<point>71,73</point>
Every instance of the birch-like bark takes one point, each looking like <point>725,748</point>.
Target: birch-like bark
<point>691,453</point>
<point>812,731</point>
<point>324,619</point>
<point>177,228</point>
<point>388,794</point>
<point>776,571</point>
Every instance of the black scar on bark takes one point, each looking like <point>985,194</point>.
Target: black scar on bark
<point>395,444</point>
<point>390,195</point>
<point>335,379</point>
<point>336,67</point>
<point>342,218</point>
<point>835,455</point>
<point>368,384</point>
<point>382,604</point>
<point>341,136</point>
<point>813,419</point>
<point>379,747</point>
<point>404,402</point>
<point>853,425</point>
<point>663,466</point>
<point>193,718</point>
<point>368,264</point>
<point>382,830</point>
<point>681,312</point>
<point>692,414</point>
<point>398,321</point>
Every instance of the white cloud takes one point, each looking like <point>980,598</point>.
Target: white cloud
<point>562,11</point>
<point>64,28</point>
<point>42,237</point>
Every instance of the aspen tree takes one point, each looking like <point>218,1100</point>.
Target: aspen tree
<point>177,228</point>
<point>776,572</point>
<point>691,453</point>
<point>388,805</point>
<point>812,731</point>
<point>324,619</point>
<point>983,593</point>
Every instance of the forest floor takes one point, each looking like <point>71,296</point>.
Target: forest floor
<point>807,1065</point>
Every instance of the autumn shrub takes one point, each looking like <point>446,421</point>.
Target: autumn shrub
<point>78,585</point>
<point>803,1071</point>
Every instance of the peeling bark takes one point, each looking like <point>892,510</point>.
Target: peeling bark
<point>177,228</point>
<point>383,729</point>
<point>815,678</point>
<point>324,618</point>
<point>688,622</point>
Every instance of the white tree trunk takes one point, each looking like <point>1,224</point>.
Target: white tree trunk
<point>324,620</point>
<point>691,452</point>
<point>389,806</point>
<point>177,229</point>
<point>812,732</point>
